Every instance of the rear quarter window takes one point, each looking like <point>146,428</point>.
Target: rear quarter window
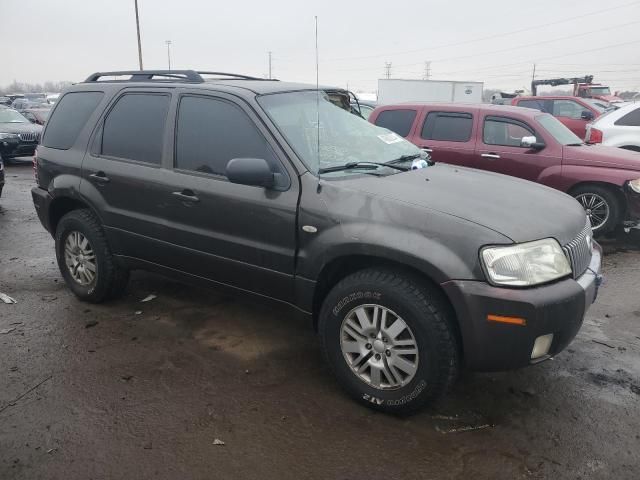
<point>68,118</point>
<point>398,121</point>
<point>447,127</point>
<point>631,119</point>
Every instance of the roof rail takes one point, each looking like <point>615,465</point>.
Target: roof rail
<point>190,76</point>
<point>232,75</point>
<point>150,75</point>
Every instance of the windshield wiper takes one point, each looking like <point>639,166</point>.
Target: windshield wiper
<point>363,165</point>
<point>574,144</point>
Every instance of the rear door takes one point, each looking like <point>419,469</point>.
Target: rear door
<point>238,235</point>
<point>123,176</point>
<point>498,150</point>
<point>447,135</point>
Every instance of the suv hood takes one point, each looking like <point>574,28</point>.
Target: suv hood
<point>19,128</point>
<point>518,209</point>
<point>601,156</point>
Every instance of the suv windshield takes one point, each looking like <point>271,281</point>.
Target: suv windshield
<point>344,137</point>
<point>11,116</point>
<point>595,104</point>
<point>558,131</point>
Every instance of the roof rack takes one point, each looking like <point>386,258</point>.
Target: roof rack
<point>190,76</point>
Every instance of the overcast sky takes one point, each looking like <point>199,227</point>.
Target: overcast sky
<point>68,39</point>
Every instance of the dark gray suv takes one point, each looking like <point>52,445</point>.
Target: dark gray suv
<point>274,190</point>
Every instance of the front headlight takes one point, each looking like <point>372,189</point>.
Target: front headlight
<point>525,264</point>
<point>635,185</point>
<point>6,136</point>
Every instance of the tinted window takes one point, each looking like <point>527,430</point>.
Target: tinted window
<point>70,115</point>
<point>542,105</point>
<point>399,121</point>
<point>504,131</point>
<point>134,128</point>
<point>211,132</point>
<point>447,126</point>
<point>631,119</point>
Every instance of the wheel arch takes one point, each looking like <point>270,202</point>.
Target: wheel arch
<point>62,205</point>
<point>343,266</point>
<point>615,189</point>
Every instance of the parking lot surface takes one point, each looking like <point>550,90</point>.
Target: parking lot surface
<point>196,385</point>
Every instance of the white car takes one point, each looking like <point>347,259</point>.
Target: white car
<point>617,128</point>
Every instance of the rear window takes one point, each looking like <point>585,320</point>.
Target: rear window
<point>134,128</point>
<point>398,121</point>
<point>447,126</point>
<point>631,119</point>
<point>70,115</point>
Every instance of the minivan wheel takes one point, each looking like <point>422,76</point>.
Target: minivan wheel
<point>388,340</point>
<point>85,260</point>
<point>601,205</point>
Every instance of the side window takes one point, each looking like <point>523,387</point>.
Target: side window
<point>210,132</point>
<point>631,119</point>
<point>69,116</point>
<point>398,121</point>
<point>542,105</point>
<point>504,131</point>
<point>447,126</point>
<point>134,128</point>
<point>567,108</point>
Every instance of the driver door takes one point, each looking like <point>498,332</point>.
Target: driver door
<point>498,150</point>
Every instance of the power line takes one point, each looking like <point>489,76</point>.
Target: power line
<point>498,35</point>
<point>448,59</point>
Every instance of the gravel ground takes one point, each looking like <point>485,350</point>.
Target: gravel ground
<point>149,390</point>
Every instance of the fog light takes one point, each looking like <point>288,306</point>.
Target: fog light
<point>541,346</point>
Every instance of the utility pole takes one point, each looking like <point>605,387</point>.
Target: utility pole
<point>427,70</point>
<point>138,30</point>
<point>168,42</point>
<point>387,69</point>
<point>269,64</point>
<point>533,75</point>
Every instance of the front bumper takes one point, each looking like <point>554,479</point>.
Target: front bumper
<point>11,147</point>
<point>557,308</point>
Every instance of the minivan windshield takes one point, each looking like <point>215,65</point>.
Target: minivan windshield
<point>558,131</point>
<point>344,137</point>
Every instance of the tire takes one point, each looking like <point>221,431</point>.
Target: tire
<point>430,328</point>
<point>586,192</point>
<point>109,279</point>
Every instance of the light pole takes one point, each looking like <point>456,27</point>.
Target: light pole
<point>168,42</point>
<point>138,30</point>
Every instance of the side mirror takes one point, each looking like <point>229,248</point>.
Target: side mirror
<point>250,171</point>
<point>531,142</point>
<point>586,115</point>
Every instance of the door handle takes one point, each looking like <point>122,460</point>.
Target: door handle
<point>186,196</point>
<point>426,149</point>
<point>491,156</point>
<point>100,178</point>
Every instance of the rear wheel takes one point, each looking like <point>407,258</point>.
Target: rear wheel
<point>85,260</point>
<point>601,206</point>
<point>389,340</point>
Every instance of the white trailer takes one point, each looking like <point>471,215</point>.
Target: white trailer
<point>400,91</point>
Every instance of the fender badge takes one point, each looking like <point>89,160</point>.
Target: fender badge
<point>309,229</point>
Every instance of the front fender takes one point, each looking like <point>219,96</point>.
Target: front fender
<point>576,174</point>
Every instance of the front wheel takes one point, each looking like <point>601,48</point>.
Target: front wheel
<point>389,340</point>
<point>601,206</point>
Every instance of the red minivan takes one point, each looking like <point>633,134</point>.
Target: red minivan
<point>525,143</point>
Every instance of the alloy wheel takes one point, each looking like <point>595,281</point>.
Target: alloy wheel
<point>596,207</point>
<point>379,347</point>
<point>80,258</point>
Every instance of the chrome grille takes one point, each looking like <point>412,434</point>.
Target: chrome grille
<point>29,136</point>
<point>578,250</point>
